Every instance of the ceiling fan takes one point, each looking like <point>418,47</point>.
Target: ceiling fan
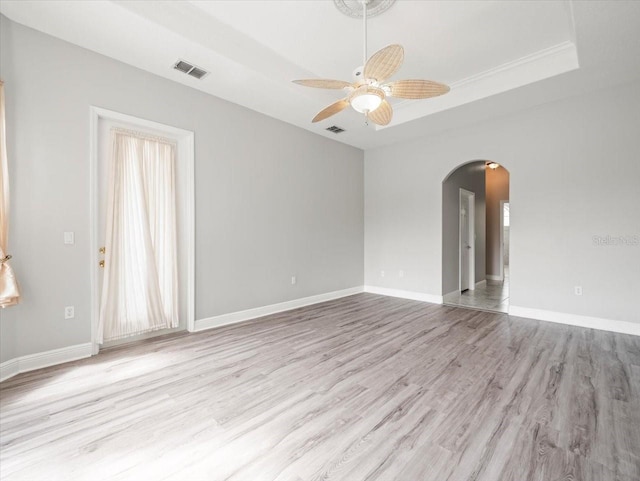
<point>368,93</point>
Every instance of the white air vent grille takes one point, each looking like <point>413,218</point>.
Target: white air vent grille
<point>183,66</point>
<point>335,129</point>
<point>198,73</point>
<point>190,69</point>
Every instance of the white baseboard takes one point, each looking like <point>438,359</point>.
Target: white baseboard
<point>9,369</point>
<point>240,316</point>
<point>491,277</point>
<point>612,325</point>
<point>44,359</point>
<point>482,282</point>
<point>412,295</point>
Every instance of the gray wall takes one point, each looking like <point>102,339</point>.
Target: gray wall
<point>574,174</point>
<point>7,337</point>
<point>497,182</point>
<point>470,177</point>
<point>272,200</point>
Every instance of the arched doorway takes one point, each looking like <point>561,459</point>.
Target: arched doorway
<point>475,236</point>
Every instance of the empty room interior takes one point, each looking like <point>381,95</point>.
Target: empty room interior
<point>320,240</point>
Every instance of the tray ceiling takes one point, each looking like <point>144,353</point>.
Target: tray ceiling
<point>254,49</point>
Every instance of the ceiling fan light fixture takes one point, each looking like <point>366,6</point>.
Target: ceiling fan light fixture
<point>366,98</point>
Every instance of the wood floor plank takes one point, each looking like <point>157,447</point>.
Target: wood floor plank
<point>361,388</point>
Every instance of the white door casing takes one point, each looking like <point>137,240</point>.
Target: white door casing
<point>466,238</point>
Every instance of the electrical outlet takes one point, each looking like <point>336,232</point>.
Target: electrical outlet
<point>578,290</point>
<point>69,312</point>
<point>293,280</point>
<point>381,273</point>
<point>401,274</point>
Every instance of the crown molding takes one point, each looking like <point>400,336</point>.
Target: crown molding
<point>531,68</point>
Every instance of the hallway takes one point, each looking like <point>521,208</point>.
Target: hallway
<point>488,296</point>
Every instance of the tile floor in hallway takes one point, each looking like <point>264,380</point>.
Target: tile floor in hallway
<point>489,295</point>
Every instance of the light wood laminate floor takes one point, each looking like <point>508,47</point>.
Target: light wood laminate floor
<point>361,388</point>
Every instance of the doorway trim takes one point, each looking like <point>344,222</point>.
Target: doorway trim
<point>502,203</point>
<point>185,151</point>
<point>470,199</point>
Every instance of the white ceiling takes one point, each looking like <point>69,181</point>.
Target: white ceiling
<point>498,56</point>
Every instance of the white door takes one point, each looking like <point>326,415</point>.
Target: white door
<point>504,238</point>
<point>467,240</point>
<point>104,122</point>
<point>104,155</point>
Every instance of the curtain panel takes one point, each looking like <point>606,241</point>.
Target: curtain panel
<point>140,283</point>
<point>9,290</point>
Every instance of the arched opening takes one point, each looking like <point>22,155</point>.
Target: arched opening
<point>475,236</point>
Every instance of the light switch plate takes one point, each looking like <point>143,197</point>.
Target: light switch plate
<point>69,238</point>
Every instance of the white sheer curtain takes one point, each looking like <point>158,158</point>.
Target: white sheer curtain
<point>140,283</point>
<point>9,291</point>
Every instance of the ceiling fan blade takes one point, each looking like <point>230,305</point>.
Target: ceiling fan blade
<point>332,109</point>
<point>384,63</point>
<point>323,83</point>
<point>417,89</point>
<point>382,115</point>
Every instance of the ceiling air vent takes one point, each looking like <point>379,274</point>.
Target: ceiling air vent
<point>335,129</point>
<point>198,73</point>
<point>189,69</point>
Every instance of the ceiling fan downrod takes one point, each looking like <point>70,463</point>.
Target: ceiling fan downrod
<point>364,29</point>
